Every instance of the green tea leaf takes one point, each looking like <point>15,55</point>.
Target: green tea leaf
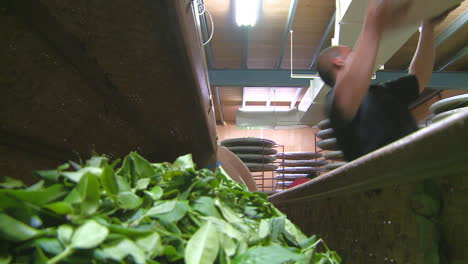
<point>128,200</point>
<point>273,254</point>
<point>161,207</point>
<point>50,245</point>
<point>64,234</point>
<point>142,184</point>
<point>225,227</point>
<point>123,184</point>
<point>96,161</point>
<point>75,176</point>
<point>184,162</point>
<point>88,189</point>
<point>155,193</point>
<point>179,211</point>
<point>5,259</point>
<point>229,245</point>
<point>203,246</point>
<point>89,235</point>
<point>206,206</point>
<point>277,227</point>
<point>36,197</point>
<point>151,244</point>
<point>143,168</point>
<point>49,175</point>
<point>108,181</point>
<point>37,186</point>
<point>60,208</point>
<point>122,249</point>
<point>73,197</point>
<point>14,230</point>
<point>11,183</point>
<point>293,234</point>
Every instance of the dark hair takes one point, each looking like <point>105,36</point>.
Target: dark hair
<point>325,65</point>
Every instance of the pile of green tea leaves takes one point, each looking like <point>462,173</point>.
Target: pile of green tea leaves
<point>143,212</point>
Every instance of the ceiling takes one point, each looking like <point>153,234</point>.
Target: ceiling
<point>267,44</point>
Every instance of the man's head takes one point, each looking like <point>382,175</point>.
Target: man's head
<point>332,60</point>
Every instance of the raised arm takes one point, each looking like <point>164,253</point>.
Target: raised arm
<point>422,64</point>
<point>353,80</point>
<point>423,60</point>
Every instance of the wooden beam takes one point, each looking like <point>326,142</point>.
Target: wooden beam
<point>453,28</point>
<point>282,78</point>
<point>326,34</point>
<point>287,29</point>
<point>460,55</point>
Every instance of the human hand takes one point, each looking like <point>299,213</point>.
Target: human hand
<point>387,15</point>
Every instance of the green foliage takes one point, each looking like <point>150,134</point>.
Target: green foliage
<point>144,212</point>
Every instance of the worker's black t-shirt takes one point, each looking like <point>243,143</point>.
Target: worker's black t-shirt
<point>382,118</point>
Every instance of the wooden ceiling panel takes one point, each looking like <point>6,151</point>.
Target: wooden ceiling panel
<point>266,36</point>
<point>227,37</point>
<point>312,17</point>
<point>231,95</point>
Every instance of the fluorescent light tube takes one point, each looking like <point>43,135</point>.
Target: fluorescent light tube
<point>247,12</point>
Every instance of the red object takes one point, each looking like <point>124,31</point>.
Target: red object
<point>299,181</point>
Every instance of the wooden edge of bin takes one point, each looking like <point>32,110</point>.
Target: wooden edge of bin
<point>438,150</point>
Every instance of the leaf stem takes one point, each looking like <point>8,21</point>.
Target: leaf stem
<point>67,252</point>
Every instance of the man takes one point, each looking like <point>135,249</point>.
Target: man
<point>366,117</point>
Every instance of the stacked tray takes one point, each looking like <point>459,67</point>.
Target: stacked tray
<point>294,165</point>
<point>256,153</point>
<point>329,143</point>
<point>449,106</point>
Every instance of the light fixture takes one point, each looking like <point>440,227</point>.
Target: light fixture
<point>247,12</point>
